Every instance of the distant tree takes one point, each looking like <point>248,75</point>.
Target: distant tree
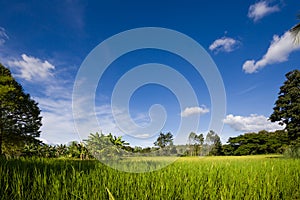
<point>262,142</point>
<point>210,137</point>
<point>295,31</point>
<point>61,150</point>
<point>287,106</point>
<point>30,150</point>
<point>217,146</point>
<point>192,138</point>
<point>195,143</point>
<point>20,118</point>
<point>98,144</point>
<point>164,140</point>
<point>137,149</point>
<point>106,146</point>
<point>228,150</point>
<point>213,145</point>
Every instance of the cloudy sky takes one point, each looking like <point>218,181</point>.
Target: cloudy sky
<point>44,44</point>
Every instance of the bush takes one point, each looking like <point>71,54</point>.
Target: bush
<point>292,151</point>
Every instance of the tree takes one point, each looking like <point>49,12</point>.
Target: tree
<point>20,118</point>
<point>295,31</point>
<point>61,150</point>
<point>97,143</point>
<point>118,141</point>
<point>164,140</point>
<point>213,143</point>
<point>195,143</point>
<point>217,146</point>
<point>106,146</point>
<point>287,106</point>
<point>262,142</point>
<point>210,137</point>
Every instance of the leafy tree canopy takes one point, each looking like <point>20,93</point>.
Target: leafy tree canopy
<point>20,118</point>
<point>287,106</point>
<point>164,140</point>
<point>262,142</point>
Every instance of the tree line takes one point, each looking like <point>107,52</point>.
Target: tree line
<point>101,146</point>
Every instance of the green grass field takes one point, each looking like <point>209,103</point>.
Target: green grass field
<point>245,177</point>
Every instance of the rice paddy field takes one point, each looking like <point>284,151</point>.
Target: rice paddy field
<point>245,177</point>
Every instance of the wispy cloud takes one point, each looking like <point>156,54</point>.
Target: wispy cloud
<point>3,36</point>
<point>278,51</point>
<point>31,68</point>
<point>53,94</point>
<point>115,120</point>
<point>245,91</point>
<point>194,111</point>
<point>261,9</point>
<point>107,121</point>
<point>58,125</point>
<point>225,44</point>
<point>252,123</point>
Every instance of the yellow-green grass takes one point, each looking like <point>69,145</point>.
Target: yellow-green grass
<point>244,177</point>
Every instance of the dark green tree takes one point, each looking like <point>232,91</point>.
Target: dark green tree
<point>217,146</point>
<point>164,140</point>
<point>262,142</point>
<point>287,106</point>
<point>20,118</point>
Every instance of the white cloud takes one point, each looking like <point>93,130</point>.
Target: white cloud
<point>260,9</point>
<point>58,125</point>
<point>194,110</point>
<point>3,36</point>
<point>278,52</point>
<point>224,44</point>
<point>252,123</point>
<point>31,68</point>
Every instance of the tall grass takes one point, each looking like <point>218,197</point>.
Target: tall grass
<point>248,177</point>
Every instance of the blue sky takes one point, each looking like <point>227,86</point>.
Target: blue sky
<point>44,43</point>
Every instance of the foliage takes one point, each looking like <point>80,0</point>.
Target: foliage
<point>262,142</point>
<point>214,144</point>
<point>20,118</point>
<point>287,107</point>
<point>245,177</point>
<point>164,140</point>
<point>73,150</point>
<point>195,144</point>
<point>293,151</point>
<point>217,147</point>
<point>105,147</point>
<point>117,141</point>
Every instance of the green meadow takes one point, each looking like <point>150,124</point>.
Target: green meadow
<point>244,177</point>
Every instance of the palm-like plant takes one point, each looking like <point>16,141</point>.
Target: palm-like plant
<point>104,146</point>
<point>295,31</point>
<point>117,141</point>
<point>74,150</point>
<point>61,150</point>
<point>98,144</point>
